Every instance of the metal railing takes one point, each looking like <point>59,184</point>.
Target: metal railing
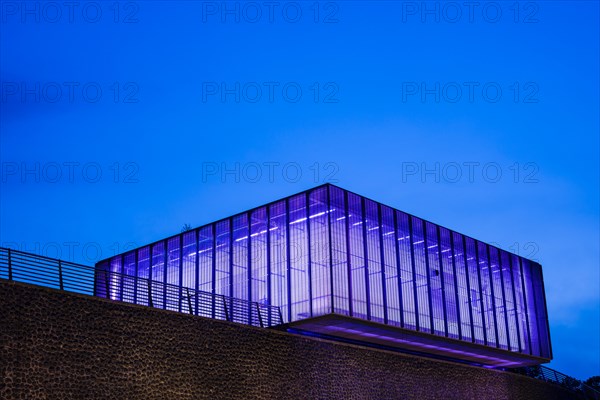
<point>39,270</point>
<point>550,375</point>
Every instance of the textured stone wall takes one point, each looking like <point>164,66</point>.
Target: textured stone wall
<point>57,345</point>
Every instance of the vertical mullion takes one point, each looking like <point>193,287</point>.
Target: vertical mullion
<point>382,257</point>
<point>165,266</point>
<point>441,267</point>
<point>482,304</point>
<point>269,300</point>
<point>428,272</point>
<point>230,257</point>
<point>489,265</point>
<point>331,286</point>
<point>214,269</point>
<point>10,277</point>
<point>248,268</point>
<point>181,270</point>
<point>150,262</point>
<point>499,255</point>
<point>309,247</point>
<point>96,274</point>
<point>232,313</point>
<point>136,277</point>
<point>414,272</point>
<point>197,267</point>
<point>537,319</point>
<point>122,276</point>
<point>398,268</point>
<point>366,257</point>
<point>348,254</point>
<point>288,258</point>
<point>468,278</point>
<point>456,298</point>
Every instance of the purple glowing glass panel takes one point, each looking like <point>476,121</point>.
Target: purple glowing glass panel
<point>435,278</point>
<point>498,294</point>
<point>448,283</point>
<point>258,256</point>
<point>390,269</point>
<point>143,271</point>
<point>509,296</point>
<point>373,261</point>
<point>320,276</point>
<point>357,258</point>
<point>173,270</point>
<point>457,255</point>
<point>279,273</point>
<point>128,279</point>
<point>340,255</point>
<point>521,309</point>
<point>538,285</point>
<point>158,274</point>
<point>407,281</point>
<point>240,257</point>
<point>189,254</point>
<point>421,277</point>
<point>222,262</point>
<point>299,259</point>
<point>115,279</point>
<point>488,307</point>
<point>531,307</point>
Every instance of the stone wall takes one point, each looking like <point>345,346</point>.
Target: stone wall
<point>56,345</point>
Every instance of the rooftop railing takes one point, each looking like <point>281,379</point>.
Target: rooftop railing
<point>39,270</point>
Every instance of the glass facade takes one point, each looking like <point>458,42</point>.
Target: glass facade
<point>330,251</point>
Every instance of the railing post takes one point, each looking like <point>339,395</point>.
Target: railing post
<point>555,376</point>
<point>225,307</point>
<point>259,316</point>
<point>189,301</point>
<point>150,303</point>
<point>60,275</point>
<point>280,315</point>
<point>9,266</point>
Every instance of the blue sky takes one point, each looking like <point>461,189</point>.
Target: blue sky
<point>121,122</point>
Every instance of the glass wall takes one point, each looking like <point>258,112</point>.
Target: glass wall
<point>328,250</point>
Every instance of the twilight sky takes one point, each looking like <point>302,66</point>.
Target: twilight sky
<point>122,121</point>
